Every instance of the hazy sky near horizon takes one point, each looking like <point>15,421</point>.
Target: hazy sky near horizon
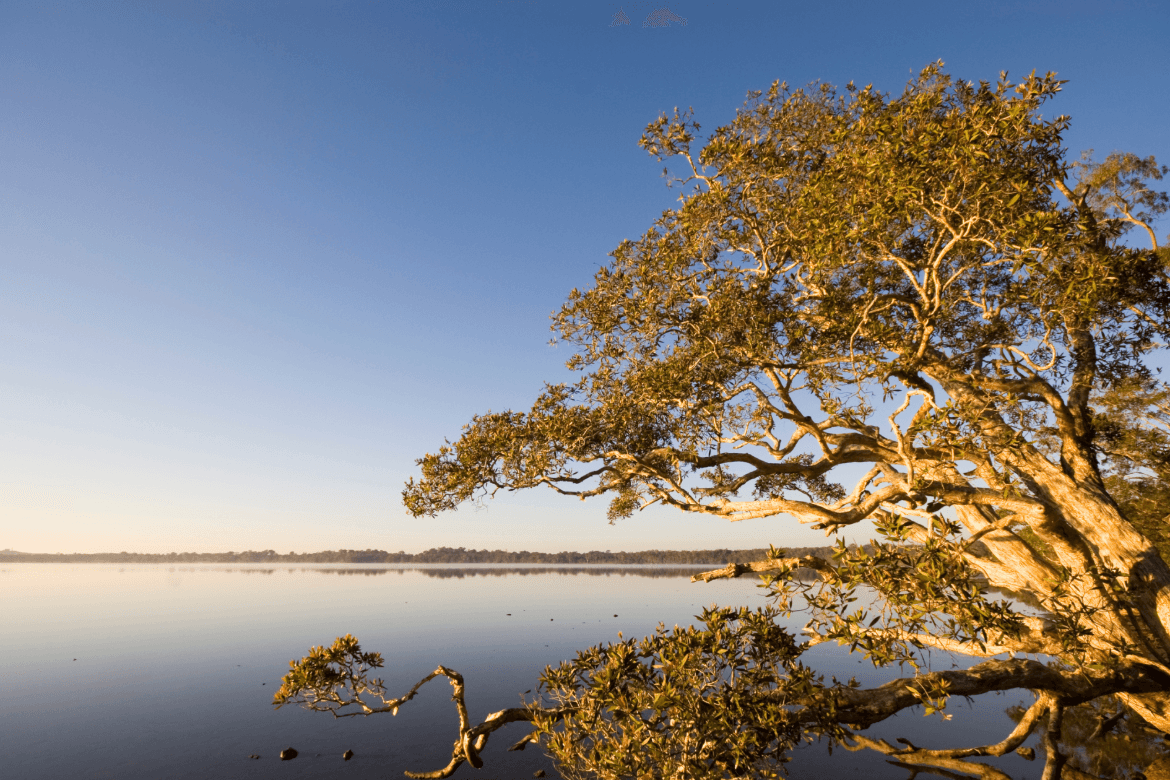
<point>258,257</point>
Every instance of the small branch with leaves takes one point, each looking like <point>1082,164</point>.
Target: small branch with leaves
<point>331,679</point>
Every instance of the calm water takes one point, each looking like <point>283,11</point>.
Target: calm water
<point>156,671</point>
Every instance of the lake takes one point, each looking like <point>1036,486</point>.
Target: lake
<point>161,671</point>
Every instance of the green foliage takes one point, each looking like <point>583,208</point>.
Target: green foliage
<point>1132,422</point>
<point>696,702</point>
<point>887,599</point>
<point>1118,189</point>
<point>836,246</point>
<point>330,678</point>
<point>922,285</point>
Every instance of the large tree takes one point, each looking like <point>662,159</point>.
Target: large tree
<point>912,311</point>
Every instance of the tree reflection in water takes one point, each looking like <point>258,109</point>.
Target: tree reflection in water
<point>1104,740</point>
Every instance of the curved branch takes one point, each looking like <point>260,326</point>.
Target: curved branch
<point>1021,732</point>
<point>473,740</point>
<point>808,512</point>
<point>864,707</point>
<point>319,680</point>
<point>1006,645</point>
<point>1034,638</point>
<point>910,760</point>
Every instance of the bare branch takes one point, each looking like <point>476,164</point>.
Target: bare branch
<point>909,759</point>
<point>472,740</point>
<point>733,570</point>
<point>1055,760</point>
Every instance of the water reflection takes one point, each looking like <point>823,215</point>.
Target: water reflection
<point>1103,739</point>
<point>168,670</point>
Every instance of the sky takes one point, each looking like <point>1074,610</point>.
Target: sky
<point>257,258</point>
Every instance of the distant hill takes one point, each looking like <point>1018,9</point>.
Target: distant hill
<point>435,555</point>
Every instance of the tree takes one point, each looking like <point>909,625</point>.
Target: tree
<point>912,311</point>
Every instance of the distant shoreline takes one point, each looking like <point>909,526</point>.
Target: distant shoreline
<point>433,555</point>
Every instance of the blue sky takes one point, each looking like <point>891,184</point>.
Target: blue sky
<point>258,257</point>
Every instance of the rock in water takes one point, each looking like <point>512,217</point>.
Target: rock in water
<point>538,773</point>
<point>288,754</point>
<point>253,756</point>
<point>347,755</point>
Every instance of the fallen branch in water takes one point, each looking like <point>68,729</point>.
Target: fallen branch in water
<point>733,570</point>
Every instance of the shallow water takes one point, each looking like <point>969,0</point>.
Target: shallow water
<point>159,671</point>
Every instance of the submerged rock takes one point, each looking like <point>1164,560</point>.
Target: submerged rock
<point>288,754</point>
<point>347,755</point>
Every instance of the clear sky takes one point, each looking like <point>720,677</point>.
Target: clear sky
<point>256,258</point>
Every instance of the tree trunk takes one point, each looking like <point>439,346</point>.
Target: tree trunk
<point>1155,708</point>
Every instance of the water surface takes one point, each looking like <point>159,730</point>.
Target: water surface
<point>161,671</point>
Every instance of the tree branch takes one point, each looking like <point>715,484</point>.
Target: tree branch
<point>864,707</point>
<point>473,740</point>
<point>910,760</point>
<point>733,570</point>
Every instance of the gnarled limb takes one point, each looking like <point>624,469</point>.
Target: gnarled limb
<point>733,570</point>
<point>1154,707</point>
<point>911,760</point>
<point>333,678</point>
<point>949,759</point>
<point>944,643</point>
<point>949,762</point>
<point>472,740</point>
<point>864,707</point>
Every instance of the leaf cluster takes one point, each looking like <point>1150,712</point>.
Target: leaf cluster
<point>331,678</point>
<point>710,701</point>
<point>891,599</point>
<point>1132,422</point>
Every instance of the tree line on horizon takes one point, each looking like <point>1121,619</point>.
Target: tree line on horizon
<point>433,555</point>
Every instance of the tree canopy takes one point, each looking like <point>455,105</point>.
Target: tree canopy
<point>913,310</point>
